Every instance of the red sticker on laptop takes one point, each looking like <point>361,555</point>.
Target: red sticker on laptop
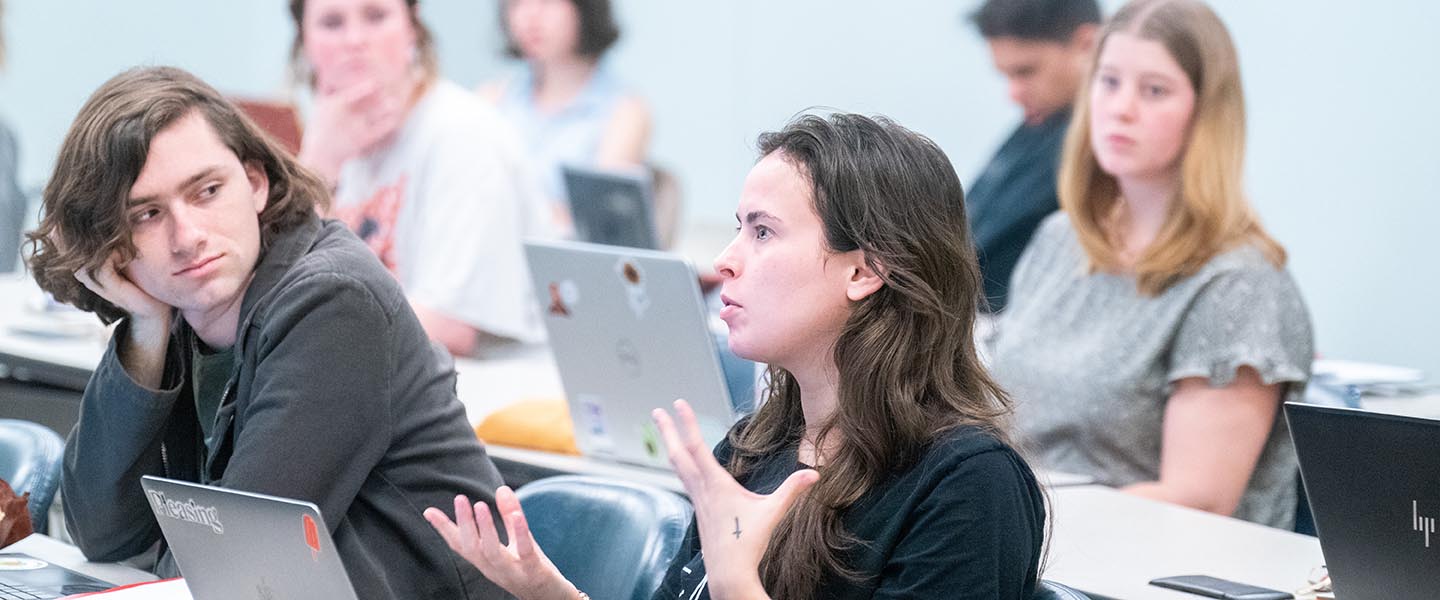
<point>312,536</point>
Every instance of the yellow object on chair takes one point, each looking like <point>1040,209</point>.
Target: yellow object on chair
<point>531,424</point>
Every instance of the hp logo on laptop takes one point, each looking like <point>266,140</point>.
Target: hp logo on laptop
<point>1424,525</point>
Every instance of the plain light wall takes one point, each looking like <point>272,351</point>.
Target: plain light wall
<point>1342,165</point>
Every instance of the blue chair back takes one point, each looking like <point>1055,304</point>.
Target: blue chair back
<point>612,539</point>
<point>1049,590</point>
<point>30,460</point>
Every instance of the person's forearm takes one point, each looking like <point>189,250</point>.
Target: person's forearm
<point>1156,490</point>
<point>143,349</point>
<point>457,336</point>
<point>116,440</point>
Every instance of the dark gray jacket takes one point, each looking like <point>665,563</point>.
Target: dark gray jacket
<point>337,397</point>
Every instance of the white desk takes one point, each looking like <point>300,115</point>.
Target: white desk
<point>61,360</point>
<point>1110,544</point>
<point>1425,406</point>
<point>1104,542</point>
<point>62,554</point>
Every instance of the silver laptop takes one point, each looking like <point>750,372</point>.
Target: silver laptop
<point>1373,481</point>
<point>611,207</point>
<point>234,545</point>
<point>24,576</point>
<point>629,335</point>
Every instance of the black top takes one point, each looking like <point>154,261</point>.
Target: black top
<point>1011,196</point>
<point>966,521</point>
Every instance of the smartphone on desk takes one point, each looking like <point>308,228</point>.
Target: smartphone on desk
<point>1214,587</point>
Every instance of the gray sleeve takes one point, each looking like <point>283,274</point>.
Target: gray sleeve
<point>116,440</point>
<point>1246,317</point>
<point>1038,253</point>
<point>319,419</point>
<point>12,202</point>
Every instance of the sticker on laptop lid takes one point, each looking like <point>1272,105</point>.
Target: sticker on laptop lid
<point>632,277</point>
<point>627,356</point>
<point>711,431</point>
<point>312,536</point>
<point>650,438</point>
<point>21,563</point>
<point>591,421</point>
<point>564,296</point>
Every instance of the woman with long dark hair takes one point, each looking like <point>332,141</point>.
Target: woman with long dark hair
<point>880,465</point>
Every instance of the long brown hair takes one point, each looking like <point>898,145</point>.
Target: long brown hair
<point>907,362</point>
<point>1210,213</point>
<point>104,152</point>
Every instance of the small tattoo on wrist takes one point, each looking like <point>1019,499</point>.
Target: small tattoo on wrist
<point>737,528</point>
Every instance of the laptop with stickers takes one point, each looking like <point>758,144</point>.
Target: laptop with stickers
<point>628,331</point>
<point>234,545</point>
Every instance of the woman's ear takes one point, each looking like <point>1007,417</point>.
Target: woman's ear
<point>864,280</point>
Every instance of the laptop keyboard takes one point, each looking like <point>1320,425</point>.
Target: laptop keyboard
<point>20,592</point>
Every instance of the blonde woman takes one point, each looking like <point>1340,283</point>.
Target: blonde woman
<point>1155,330</point>
<point>431,178</point>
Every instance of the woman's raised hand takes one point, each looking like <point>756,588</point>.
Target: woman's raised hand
<point>519,566</point>
<point>734,523</point>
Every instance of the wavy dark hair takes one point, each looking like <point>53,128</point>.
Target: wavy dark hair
<point>598,29</point>
<point>908,367</point>
<point>84,203</point>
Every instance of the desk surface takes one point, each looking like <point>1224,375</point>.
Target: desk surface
<point>1104,542</point>
<point>1111,544</point>
<point>64,356</point>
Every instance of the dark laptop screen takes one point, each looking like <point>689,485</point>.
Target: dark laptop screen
<point>1373,481</point>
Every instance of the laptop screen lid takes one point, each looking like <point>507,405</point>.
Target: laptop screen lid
<point>611,207</point>
<point>234,545</point>
<point>1373,482</point>
<point>629,333</point>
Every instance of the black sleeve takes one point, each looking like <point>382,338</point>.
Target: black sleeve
<point>977,535</point>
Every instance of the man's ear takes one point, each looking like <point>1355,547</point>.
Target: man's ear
<point>259,184</point>
<point>1083,38</point>
<point>863,279</point>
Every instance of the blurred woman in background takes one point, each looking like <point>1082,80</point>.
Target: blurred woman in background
<point>429,176</point>
<point>568,107</point>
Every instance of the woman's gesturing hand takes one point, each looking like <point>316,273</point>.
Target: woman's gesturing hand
<point>734,523</point>
<point>519,566</point>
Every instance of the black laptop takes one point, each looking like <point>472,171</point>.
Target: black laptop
<point>25,577</point>
<point>1373,481</point>
<point>612,208</point>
